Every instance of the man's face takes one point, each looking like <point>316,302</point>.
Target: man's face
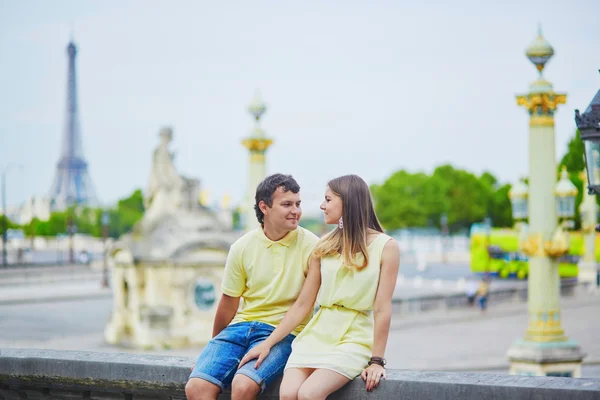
<point>285,212</point>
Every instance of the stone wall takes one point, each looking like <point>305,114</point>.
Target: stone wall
<point>74,375</point>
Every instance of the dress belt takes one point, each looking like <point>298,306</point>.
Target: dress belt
<point>335,305</point>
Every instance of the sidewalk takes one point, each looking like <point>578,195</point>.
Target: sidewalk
<point>468,339</point>
<point>53,292</point>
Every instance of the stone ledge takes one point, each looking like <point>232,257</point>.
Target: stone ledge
<point>51,374</point>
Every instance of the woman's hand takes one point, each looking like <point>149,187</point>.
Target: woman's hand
<point>372,375</point>
<point>260,351</point>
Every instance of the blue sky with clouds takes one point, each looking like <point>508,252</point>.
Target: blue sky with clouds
<point>366,87</point>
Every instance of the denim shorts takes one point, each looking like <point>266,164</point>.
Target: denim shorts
<point>219,360</point>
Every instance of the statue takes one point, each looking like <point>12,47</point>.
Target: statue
<point>167,190</point>
<point>167,272</point>
<point>165,183</point>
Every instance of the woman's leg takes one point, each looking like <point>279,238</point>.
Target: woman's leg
<point>321,384</point>
<point>293,378</point>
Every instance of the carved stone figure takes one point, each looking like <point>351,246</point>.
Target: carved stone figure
<point>166,273</point>
<point>165,187</point>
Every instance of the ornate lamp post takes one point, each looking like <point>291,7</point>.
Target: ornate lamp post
<point>257,144</point>
<point>565,193</point>
<point>518,195</point>
<point>545,349</point>
<point>588,124</point>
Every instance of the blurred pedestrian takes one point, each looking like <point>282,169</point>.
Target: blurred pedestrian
<point>483,293</point>
<point>471,291</point>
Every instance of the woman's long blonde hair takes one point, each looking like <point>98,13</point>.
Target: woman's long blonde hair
<point>358,216</point>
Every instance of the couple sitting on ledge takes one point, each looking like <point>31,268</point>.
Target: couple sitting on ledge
<point>281,270</point>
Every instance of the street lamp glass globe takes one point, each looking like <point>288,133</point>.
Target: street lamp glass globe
<point>565,192</point>
<point>588,124</point>
<point>565,207</point>
<point>519,195</point>
<point>519,209</point>
<point>592,163</point>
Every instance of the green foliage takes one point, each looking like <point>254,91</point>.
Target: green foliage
<point>419,200</point>
<point>86,220</point>
<point>575,163</point>
<point>9,225</point>
<point>315,225</point>
<point>129,211</point>
<point>398,201</point>
<point>236,219</point>
<point>501,209</point>
<point>574,158</point>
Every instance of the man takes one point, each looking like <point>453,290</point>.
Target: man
<point>266,267</point>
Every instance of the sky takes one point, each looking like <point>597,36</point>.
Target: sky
<point>364,87</point>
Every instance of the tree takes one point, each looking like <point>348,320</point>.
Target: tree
<point>467,197</point>
<point>129,211</point>
<point>575,163</point>
<point>574,158</point>
<point>418,200</point>
<point>501,208</point>
<point>398,202</point>
<point>5,221</point>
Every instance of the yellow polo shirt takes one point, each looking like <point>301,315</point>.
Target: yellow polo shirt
<point>267,275</point>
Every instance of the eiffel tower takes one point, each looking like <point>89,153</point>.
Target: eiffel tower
<point>72,184</point>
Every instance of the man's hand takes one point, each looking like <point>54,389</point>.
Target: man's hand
<point>372,375</point>
<point>260,351</point>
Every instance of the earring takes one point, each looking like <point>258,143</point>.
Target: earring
<point>341,223</point>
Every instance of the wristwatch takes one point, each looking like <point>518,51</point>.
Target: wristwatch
<point>377,360</point>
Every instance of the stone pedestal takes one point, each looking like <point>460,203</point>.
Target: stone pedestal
<point>546,359</point>
<point>166,282</point>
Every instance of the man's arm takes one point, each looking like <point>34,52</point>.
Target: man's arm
<point>225,312</point>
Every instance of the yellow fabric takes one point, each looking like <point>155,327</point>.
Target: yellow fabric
<point>267,275</point>
<point>340,335</point>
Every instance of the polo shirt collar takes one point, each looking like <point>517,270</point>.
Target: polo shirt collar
<point>284,241</point>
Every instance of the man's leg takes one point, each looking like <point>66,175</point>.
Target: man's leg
<point>271,367</point>
<point>244,388</point>
<point>199,389</point>
<point>218,362</point>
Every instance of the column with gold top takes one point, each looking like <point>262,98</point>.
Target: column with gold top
<point>257,144</point>
<point>545,349</point>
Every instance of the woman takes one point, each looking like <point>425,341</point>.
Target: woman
<point>353,270</point>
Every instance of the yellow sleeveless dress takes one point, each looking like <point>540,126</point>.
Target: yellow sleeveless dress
<point>339,337</point>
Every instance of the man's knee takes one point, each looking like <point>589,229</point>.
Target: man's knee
<point>199,389</point>
<point>243,388</point>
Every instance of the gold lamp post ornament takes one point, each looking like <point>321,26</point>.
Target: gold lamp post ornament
<point>565,193</point>
<point>257,144</point>
<point>541,102</point>
<point>545,349</point>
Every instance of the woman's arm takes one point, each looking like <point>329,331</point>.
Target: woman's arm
<point>382,312</point>
<point>295,315</point>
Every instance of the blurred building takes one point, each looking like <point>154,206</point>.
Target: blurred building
<point>35,207</point>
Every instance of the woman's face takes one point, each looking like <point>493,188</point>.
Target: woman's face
<point>332,207</point>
